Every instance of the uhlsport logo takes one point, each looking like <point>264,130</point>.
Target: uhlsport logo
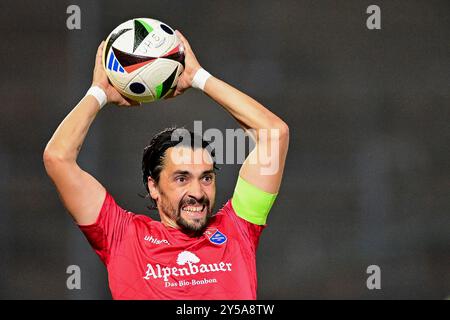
<point>156,241</point>
<point>189,265</point>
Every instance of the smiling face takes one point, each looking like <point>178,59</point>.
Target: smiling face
<point>186,190</point>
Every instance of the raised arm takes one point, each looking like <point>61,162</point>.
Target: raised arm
<point>80,192</point>
<point>261,173</point>
<point>264,166</point>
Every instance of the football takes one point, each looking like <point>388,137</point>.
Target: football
<point>143,59</point>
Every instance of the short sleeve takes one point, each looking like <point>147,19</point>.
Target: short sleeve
<point>107,232</point>
<point>249,232</point>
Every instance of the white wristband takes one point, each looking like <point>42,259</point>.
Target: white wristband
<point>98,94</point>
<point>200,79</point>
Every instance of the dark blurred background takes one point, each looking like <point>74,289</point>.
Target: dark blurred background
<point>367,178</point>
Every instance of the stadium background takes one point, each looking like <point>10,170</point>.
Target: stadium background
<point>367,177</point>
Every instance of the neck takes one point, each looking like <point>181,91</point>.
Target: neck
<point>169,223</point>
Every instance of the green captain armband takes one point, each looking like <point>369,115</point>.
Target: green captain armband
<point>251,203</point>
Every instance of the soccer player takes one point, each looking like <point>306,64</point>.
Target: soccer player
<point>191,253</point>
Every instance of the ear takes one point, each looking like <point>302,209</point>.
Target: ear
<point>153,188</point>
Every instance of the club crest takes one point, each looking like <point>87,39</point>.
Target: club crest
<point>216,237</point>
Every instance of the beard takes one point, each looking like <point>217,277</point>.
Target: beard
<point>195,225</point>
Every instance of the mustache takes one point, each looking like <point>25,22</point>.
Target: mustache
<point>193,201</point>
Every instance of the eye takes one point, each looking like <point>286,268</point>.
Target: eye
<point>180,179</point>
<point>208,178</point>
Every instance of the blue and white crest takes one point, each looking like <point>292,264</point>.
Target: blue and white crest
<point>218,238</point>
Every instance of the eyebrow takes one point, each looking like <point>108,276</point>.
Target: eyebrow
<point>185,172</point>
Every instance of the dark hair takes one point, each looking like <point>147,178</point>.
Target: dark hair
<point>154,153</point>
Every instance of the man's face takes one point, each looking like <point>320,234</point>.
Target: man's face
<point>186,190</point>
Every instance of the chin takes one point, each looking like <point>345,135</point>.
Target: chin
<point>197,224</point>
<point>194,225</point>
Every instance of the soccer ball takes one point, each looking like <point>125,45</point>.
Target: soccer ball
<point>143,59</point>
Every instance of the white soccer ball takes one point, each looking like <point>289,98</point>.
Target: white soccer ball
<point>143,59</point>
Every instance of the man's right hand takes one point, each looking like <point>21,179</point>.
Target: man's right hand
<point>101,79</point>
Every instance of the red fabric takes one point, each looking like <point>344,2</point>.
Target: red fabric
<point>146,260</point>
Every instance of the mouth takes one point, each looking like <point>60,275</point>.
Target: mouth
<point>194,211</point>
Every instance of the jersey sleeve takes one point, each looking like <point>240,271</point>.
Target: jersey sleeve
<point>249,232</point>
<point>107,232</point>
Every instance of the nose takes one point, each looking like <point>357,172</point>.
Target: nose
<point>196,191</point>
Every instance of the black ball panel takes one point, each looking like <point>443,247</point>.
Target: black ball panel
<point>166,29</point>
<point>137,88</point>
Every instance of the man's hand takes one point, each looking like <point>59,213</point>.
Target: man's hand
<point>191,66</point>
<point>101,79</point>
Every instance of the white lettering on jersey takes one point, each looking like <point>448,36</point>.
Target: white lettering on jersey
<point>191,267</point>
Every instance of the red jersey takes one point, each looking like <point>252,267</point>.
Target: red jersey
<point>147,260</point>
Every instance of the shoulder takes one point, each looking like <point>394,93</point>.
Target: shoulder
<point>228,221</point>
<point>228,213</point>
<point>112,210</point>
<point>142,218</point>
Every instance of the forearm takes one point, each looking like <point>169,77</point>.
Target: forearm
<point>68,138</point>
<point>246,110</point>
